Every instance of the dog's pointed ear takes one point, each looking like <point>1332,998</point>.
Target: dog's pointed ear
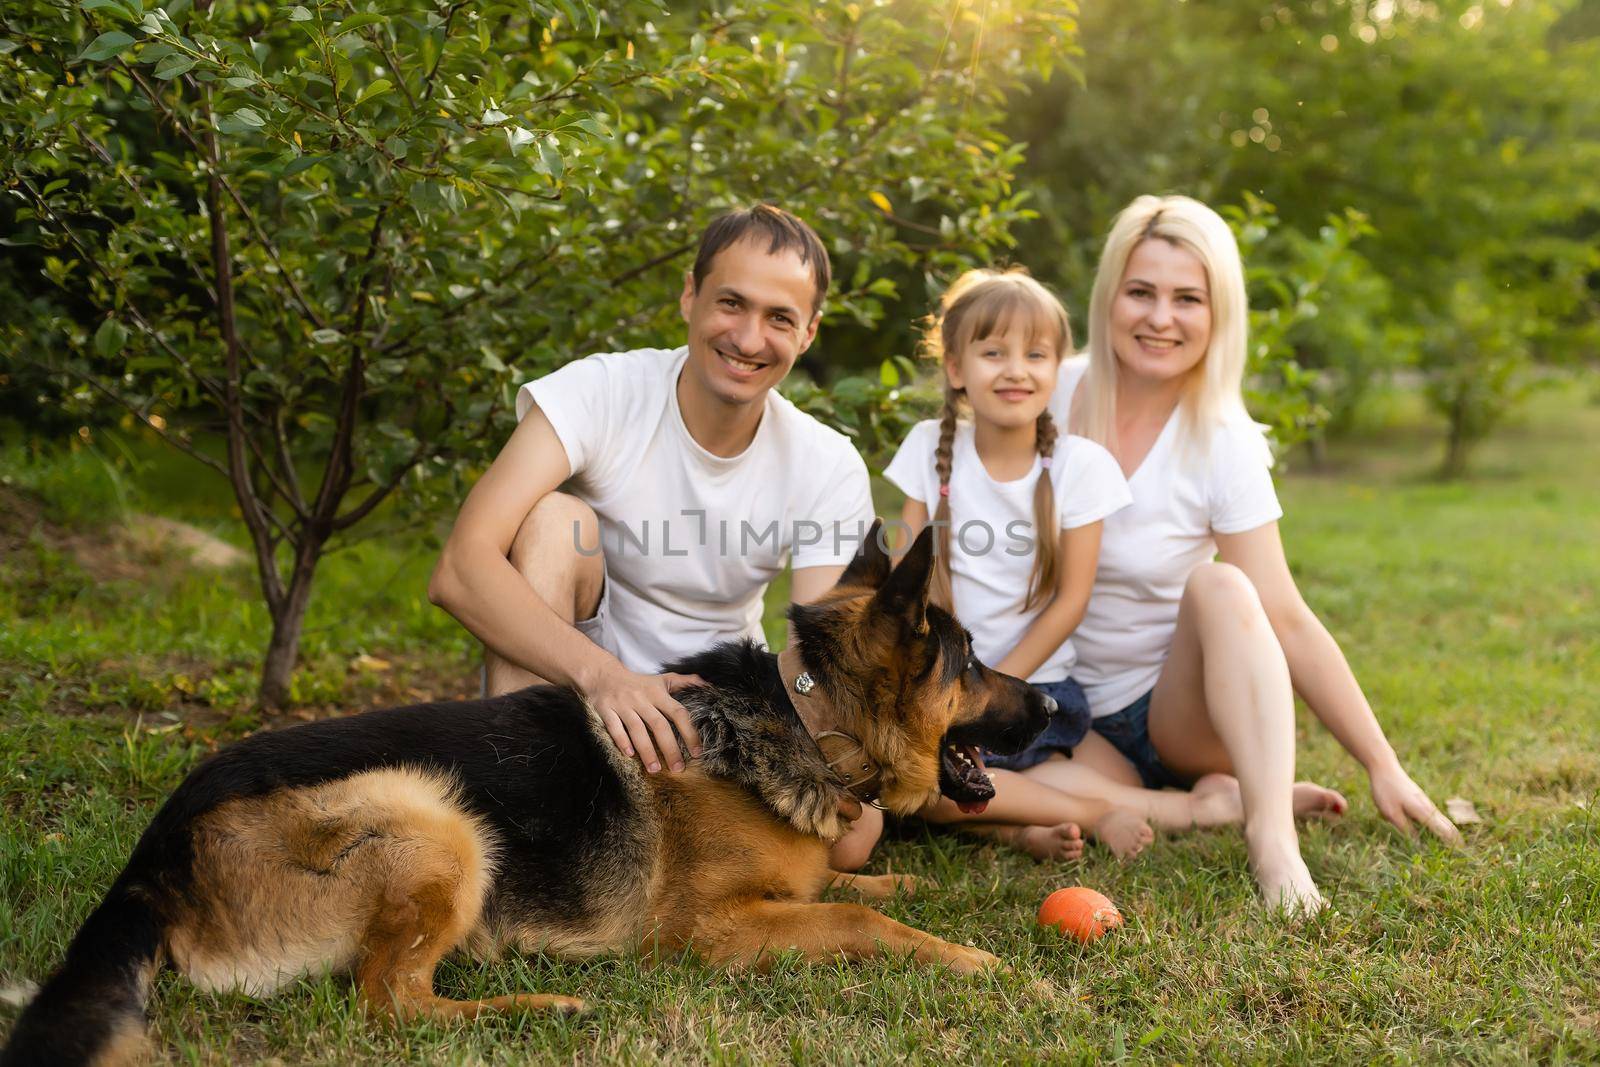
<point>870,566</point>
<point>905,593</point>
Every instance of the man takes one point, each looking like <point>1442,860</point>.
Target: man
<point>689,482</point>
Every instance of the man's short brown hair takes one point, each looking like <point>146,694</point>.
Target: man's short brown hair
<point>782,232</point>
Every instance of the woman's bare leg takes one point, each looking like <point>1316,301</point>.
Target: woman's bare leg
<point>1223,704</point>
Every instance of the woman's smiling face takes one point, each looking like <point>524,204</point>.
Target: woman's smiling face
<point>1161,316</point>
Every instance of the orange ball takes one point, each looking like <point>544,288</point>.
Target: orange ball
<point>1079,911</point>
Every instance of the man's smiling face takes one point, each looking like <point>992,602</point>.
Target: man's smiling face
<point>749,320</point>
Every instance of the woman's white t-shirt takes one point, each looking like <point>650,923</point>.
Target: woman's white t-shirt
<point>691,539</point>
<point>1148,550</point>
<point>992,539</point>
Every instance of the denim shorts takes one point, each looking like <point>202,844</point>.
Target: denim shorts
<point>1064,732</point>
<point>1128,731</point>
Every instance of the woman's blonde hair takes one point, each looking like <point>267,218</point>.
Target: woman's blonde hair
<point>987,303</point>
<point>1214,391</point>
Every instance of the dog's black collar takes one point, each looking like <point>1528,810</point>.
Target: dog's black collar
<point>846,756</point>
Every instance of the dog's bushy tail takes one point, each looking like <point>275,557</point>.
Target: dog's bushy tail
<point>92,1009</point>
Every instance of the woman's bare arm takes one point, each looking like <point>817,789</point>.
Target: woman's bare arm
<point>1323,678</point>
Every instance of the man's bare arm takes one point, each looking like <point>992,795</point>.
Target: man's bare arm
<point>476,582</point>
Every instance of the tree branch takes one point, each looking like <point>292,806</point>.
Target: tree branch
<point>244,490</point>
<point>655,261</point>
<point>336,475</point>
<point>244,209</point>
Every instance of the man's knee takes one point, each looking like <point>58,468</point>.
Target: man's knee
<point>558,525</point>
<point>557,548</point>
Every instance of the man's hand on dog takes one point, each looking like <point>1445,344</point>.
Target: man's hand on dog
<point>640,714</point>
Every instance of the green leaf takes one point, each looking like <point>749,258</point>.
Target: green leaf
<point>107,45</point>
<point>550,157</point>
<point>109,338</point>
<point>300,14</point>
<point>112,5</point>
<point>173,66</point>
<point>7,46</point>
<point>356,22</point>
<point>250,117</point>
<point>376,88</point>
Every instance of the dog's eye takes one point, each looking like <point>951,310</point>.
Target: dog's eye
<point>974,668</point>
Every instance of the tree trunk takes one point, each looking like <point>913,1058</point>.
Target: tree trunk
<point>288,620</point>
<point>1317,449</point>
<point>1460,442</point>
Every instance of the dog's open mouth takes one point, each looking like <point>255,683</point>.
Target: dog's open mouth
<point>963,779</point>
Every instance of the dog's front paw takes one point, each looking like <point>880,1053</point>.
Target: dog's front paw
<point>906,884</point>
<point>964,959</point>
<point>881,886</point>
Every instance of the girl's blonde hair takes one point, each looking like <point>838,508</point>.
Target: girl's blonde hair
<point>986,303</point>
<point>1214,391</point>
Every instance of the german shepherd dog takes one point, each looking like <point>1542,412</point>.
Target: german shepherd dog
<point>377,843</point>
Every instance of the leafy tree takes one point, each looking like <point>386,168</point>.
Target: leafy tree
<point>338,234</point>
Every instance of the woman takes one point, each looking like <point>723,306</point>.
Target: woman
<point>1190,664</point>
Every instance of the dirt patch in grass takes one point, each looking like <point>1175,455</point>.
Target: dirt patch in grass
<point>139,550</point>
<point>183,689</point>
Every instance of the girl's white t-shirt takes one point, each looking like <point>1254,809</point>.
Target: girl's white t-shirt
<point>1147,550</point>
<point>992,539</point>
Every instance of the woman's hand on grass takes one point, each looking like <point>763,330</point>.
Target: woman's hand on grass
<point>640,714</point>
<point>1402,802</point>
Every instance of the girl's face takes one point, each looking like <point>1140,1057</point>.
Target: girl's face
<point>1161,315</point>
<point>1008,377</point>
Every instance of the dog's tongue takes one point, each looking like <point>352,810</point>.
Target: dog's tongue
<point>974,807</point>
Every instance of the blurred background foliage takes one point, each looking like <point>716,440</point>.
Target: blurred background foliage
<point>1466,136</point>
<point>318,245</point>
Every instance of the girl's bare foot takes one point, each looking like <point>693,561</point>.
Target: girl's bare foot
<point>1312,801</point>
<point>1064,841</point>
<point>1281,874</point>
<point>1215,800</point>
<point>1124,832</point>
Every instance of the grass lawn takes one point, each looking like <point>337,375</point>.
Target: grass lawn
<point>1469,611</point>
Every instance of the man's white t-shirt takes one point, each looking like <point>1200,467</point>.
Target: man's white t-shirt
<point>1147,550</point>
<point>992,539</point>
<point>691,539</point>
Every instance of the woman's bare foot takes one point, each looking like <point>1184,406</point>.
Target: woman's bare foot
<point>1124,832</point>
<point>1215,800</point>
<point>1312,801</point>
<point>1281,874</point>
<point>1064,841</point>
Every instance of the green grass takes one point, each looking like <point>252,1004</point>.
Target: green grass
<point>1468,610</point>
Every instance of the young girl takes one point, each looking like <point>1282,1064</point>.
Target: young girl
<point>1018,509</point>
